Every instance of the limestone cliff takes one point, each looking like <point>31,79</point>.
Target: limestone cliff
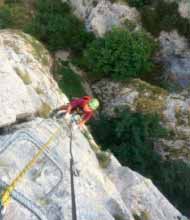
<point>29,91</point>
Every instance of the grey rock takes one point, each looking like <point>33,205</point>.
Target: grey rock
<point>134,190</point>
<point>27,86</point>
<point>101,16</point>
<point>175,56</point>
<point>96,196</point>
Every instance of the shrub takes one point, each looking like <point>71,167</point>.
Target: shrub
<point>129,137</point>
<point>5,17</point>
<point>120,55</point>
<point>164,16</point>
<point>54,24</point>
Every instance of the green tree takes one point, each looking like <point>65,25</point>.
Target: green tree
<point>56,26</point>
<point>130,137</point>
<point>162,15</point>
<point>120,55</point>
<point>5,17</point>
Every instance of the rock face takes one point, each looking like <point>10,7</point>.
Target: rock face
<point>101,16</point>
<point>100,194</point>
<point>175,56</point>
<point>107,15</point>
<point>26,87</point>
<point>174,110</point>
<point>48,183</point>
<point>44,192</point>
<point>184,8</point>
<point>134,190</point>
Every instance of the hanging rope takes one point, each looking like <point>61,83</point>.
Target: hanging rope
<point>73,198</point>
<point>6,195</point>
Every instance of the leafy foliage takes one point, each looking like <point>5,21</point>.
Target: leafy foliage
<point>120,55</point>
<point>130,137</point>
<point>164,16</point>
<point>20,16</point>
<point>69,81</point>
<point>14,15</point>
<point>5,17</point>
<point>138,3</point>
<point>55,25</point>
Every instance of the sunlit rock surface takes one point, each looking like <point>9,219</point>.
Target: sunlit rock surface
<point>101,16</point>
<point>175,57</point>
<point>26,85</point>
<point>111,193</point>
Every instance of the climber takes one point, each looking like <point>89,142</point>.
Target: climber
<point>84,106</point>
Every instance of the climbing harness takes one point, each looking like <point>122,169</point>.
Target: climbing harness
<point>6,195</point>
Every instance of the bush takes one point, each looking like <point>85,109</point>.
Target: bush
<point>164,16</point>
<point>120,55</point>
<point>5,17</point>
<point>130,137</point>
<point>54,25</point>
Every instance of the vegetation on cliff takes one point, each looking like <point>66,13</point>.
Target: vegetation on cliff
<point>120,55</point>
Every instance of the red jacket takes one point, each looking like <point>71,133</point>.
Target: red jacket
<point>83,104</point>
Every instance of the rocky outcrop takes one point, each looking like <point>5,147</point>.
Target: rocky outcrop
<point>27,87</point>
<point>106,15</point>
<point>184,8</point>
<point>134,190</point>
<point>174,110</point>
<point>101,16</point>
<point>175,57</point>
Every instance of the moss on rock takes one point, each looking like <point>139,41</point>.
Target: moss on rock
<point>151,99</point>
<point>44,110</point>
<point>38,49</point>
<point>24,76</point>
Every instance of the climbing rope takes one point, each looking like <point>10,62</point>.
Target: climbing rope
<point>32,138</point>
<point>10,189</point>
<point>74,212</point>
<point>28,204</point>
<point>74,118</point>
<point>6,195</point>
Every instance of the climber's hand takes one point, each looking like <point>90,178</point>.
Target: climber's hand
<point>81,126</point>
<point>75,126</point>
